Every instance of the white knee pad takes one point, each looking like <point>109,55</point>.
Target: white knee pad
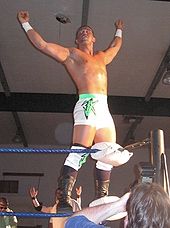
<point>111,153</point>
<point>103,166</point>
<point>76,160</point>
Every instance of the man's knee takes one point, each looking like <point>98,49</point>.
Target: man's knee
<point>76,160</point>
<point>103,166</point>
<point>111,153</point>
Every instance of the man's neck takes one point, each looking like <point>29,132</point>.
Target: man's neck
<point>86,48</point>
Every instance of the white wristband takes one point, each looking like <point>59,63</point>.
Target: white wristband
<point>118,33</point>
<point>26,26</point>
<point>37,203</point>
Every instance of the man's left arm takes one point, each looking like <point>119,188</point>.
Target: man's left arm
<point>115,44</point>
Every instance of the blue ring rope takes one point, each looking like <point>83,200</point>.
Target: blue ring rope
<point>35,215</point>
<point>42,150</point>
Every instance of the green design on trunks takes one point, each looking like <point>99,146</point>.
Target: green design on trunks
<point>83,159</point>
<point>88,106</point>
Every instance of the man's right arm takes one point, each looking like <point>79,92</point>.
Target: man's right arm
<point>56,51</point>
<point>100,213</point>
<point>37,205</point>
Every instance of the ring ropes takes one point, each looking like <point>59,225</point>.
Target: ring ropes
<point>53,151</point>
<point>35,215</point>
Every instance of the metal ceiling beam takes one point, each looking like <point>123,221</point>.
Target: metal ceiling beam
<point>161,0</point>
<point>158,75</point>
<point>151,89</point>
<point>15,115</point>
<point>64,103</point>
<point>4,81</point>
<point>85,12</point>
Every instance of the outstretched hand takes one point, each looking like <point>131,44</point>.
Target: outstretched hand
<point>79,191</point>
<point>23,16</point>
<point>119,24</point>
<point>33,192</point>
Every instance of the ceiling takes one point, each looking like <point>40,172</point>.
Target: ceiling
<point>36,94</point>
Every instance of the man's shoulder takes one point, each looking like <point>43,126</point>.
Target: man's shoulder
<point>73,49</point>
<point>99,53</point>
<point>74,52</point>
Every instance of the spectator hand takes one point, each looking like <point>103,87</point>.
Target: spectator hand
<point>33,192</point>
<point>79,191</point>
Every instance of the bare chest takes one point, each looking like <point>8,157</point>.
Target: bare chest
<point>85,61</point>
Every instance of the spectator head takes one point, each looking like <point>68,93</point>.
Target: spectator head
<point>148,206</point>
<point>3,204</point>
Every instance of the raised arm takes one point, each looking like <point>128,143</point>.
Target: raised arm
<point>38,205</point>
<point>56,51</point>
<point>115,44</point>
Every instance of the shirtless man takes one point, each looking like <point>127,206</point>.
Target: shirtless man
<point>76,204</point>
<point>92,121</point>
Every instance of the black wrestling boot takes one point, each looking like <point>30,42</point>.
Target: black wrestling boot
<point>102,183</point>
<point>102,188</point>
<point>65,185</point>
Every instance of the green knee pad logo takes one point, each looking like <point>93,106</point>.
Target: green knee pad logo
<point>83,159</point>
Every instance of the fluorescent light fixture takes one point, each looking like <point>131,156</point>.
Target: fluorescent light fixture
<point>166,76</point>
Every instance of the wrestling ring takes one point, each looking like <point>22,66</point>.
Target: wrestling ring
<point>157,154</point>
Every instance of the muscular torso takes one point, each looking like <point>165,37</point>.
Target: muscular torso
<point>87,71</point>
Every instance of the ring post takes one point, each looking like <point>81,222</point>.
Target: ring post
<point>157,152</point>
<point>157,148</point>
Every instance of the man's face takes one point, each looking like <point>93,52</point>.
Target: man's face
<point>85,34</point>
<point>3,207</point>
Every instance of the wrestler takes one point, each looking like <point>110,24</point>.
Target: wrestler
<point>93,121</point>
